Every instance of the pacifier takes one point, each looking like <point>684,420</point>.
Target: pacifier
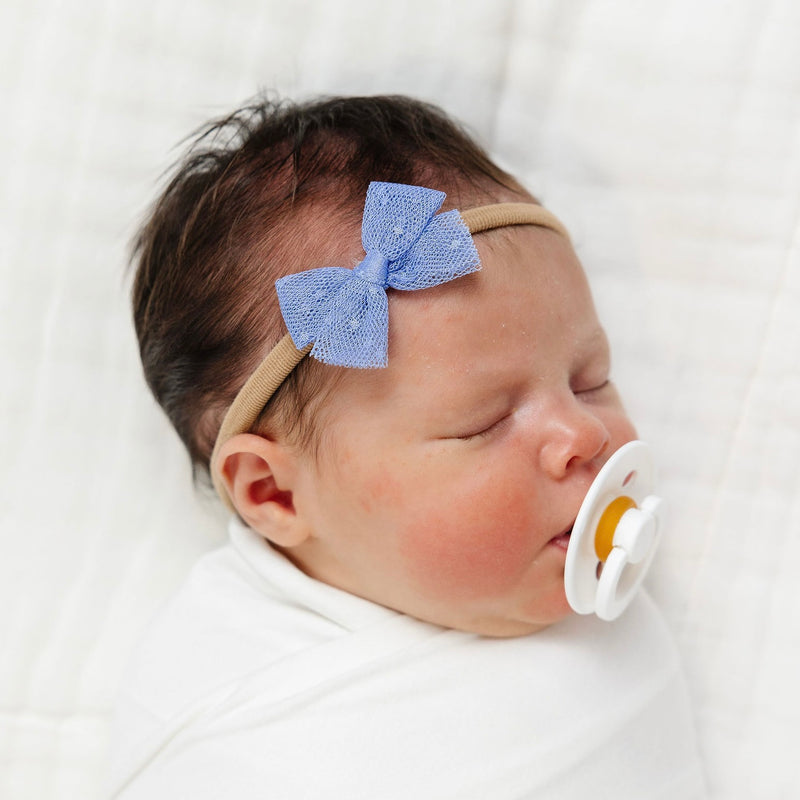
<point>615,535</point>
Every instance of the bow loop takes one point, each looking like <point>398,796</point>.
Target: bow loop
<point>345,313</point>
<point>444,251</point>
<point>395,215</point>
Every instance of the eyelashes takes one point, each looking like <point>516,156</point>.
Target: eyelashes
<point>487,431</point>
<point>589,394</point>
<point>594,390</point>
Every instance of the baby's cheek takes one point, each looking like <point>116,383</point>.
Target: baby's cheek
<point>468,547</point>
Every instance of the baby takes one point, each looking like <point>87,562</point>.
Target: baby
<point>405,466</point>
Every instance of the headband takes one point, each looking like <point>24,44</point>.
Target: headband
<point>340,315</point>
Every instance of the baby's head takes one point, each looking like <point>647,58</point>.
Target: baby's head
<point>442,485</point>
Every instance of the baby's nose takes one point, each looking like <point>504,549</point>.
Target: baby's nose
<point>576,439</point>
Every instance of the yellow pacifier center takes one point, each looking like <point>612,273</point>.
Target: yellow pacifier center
<point>604,536</point>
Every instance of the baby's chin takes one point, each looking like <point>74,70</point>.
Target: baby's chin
<point>502,628</point>
<point>514,630</point>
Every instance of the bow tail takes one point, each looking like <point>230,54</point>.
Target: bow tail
<point>302,295</point>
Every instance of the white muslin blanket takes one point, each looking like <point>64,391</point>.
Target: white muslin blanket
<point>259,682</point>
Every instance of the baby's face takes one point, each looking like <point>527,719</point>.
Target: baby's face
<point>448,481</point>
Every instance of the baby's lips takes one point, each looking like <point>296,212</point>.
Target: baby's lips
<point>565,532</point>
<point>562,539</point>
<point>567,529</point>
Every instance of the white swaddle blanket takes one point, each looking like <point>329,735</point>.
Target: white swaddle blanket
<point>257,681</point>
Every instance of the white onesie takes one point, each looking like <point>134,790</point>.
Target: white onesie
<point>260,682</point>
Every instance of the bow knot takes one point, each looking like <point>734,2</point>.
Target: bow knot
<point>344,312</point>
<point>374,268</point>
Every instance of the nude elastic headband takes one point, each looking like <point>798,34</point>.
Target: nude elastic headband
<point>284,357</point>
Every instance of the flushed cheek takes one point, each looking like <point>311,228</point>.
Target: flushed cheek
<point>470,546</point>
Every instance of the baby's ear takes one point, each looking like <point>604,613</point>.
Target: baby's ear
<point>259,474</point>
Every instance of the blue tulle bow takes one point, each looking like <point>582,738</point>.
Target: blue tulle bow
<point>345,312</point>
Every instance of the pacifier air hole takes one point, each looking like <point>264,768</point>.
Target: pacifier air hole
<point>629,477</point>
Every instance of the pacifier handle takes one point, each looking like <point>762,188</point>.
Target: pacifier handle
<point>615,535</point>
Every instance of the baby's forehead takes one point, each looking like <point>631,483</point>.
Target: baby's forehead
<point>519,264</point>
<point>521,254</point>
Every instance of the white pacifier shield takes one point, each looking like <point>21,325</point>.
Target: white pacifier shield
<point>628,473</point>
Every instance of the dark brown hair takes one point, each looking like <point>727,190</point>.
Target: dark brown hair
<point>226,227</point>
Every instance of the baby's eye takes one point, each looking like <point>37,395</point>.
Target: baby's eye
<point>590,389</point>
<point>485,431</point>
<point>595,386</point>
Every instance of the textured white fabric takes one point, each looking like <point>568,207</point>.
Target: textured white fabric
<point>257,679</point>
<point>665,135</point>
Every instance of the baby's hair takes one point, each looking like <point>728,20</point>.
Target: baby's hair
<point>257,193</point>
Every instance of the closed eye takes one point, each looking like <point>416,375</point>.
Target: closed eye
<point>590,392</point>
<point>486,431</point>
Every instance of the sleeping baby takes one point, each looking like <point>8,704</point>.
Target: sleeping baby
<point>385,354</point>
